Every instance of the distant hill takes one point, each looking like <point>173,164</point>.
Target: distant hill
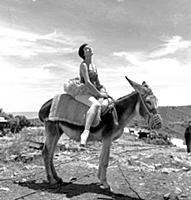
<point>172,114</point>
<point>175,120</point>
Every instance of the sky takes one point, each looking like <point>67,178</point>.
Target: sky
<point>144,40</point>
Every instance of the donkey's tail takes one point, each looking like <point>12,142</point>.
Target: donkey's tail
<point>44,111</point>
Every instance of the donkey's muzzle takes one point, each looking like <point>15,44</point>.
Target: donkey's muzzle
<point>155,121</point>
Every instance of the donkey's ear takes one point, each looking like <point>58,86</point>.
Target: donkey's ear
<point>137,87</point>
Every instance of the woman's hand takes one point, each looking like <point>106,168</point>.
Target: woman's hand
<point>103,95</point>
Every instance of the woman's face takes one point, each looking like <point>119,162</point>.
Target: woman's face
<point>88,51</point>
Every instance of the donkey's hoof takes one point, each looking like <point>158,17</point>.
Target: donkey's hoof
<point>82,147</point>
<point>105,187</point>
<point>50,185</point>
<point>59,181</point>
<point>46,182</point>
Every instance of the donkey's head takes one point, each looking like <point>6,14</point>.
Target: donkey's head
<point>147,105</point>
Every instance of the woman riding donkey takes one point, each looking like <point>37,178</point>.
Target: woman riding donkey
<point>87,90</point>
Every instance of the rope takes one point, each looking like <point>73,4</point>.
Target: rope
<point>128,182</point>
<point>143,102</point>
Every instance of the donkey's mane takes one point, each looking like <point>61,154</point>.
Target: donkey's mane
<point>125,97</point>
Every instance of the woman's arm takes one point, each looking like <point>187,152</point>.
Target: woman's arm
<point>101,87</point>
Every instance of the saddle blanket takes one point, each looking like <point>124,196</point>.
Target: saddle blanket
<point>65,108</point>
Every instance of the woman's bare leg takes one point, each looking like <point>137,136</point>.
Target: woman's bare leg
<point>95,107</point>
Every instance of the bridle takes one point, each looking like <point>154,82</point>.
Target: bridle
<point>154,121</point>
<point>144,105</point>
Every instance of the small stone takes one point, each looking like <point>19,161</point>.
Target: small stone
<point>178,190</point>
<point>165,171</point>
<point>170,196</point>
<point>4,189</point>
<point>167,196</point>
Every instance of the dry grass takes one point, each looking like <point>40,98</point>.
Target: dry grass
<point>14,145</point>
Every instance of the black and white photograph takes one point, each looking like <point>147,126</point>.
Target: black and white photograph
<point>95,99</point>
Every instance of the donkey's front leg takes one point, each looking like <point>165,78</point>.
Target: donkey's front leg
<point>103,162</point>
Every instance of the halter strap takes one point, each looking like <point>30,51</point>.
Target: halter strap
<point>143,102</point>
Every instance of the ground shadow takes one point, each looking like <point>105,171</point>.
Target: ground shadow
<point>76,189</point>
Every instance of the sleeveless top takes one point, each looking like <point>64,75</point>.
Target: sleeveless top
<point>93,75</point>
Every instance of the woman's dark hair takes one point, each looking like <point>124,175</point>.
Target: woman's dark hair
<point>81,51</point>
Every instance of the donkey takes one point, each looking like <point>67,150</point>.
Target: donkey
<point>142,101</point>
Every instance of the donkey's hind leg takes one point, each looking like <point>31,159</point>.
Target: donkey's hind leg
<point>52,137</point>
<point>58,133</point>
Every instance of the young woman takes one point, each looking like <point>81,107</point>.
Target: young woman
<point>87,89</point>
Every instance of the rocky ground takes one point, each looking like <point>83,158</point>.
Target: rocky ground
<point>137,170</point>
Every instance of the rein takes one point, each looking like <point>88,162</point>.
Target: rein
<point>111,108</point>
<point>114,111</point>
<point>143,102</point>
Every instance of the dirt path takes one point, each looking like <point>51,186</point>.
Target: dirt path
<point>137,171</point>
